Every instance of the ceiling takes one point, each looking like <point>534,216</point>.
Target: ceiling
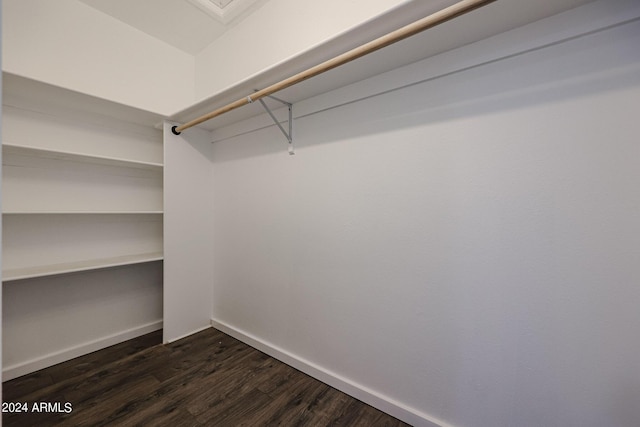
<point>189,25</point>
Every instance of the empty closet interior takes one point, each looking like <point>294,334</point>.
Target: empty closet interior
<point>446,228</point>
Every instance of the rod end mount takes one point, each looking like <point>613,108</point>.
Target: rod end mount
<point>174,131</point>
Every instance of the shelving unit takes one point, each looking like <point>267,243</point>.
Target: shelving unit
<point>82,193</point>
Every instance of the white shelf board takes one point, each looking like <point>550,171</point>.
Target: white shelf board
<point>24,92</point>
<point>73,267</point>
<point>82,213</point>
<point>78,157</point>
<point>485,22</point>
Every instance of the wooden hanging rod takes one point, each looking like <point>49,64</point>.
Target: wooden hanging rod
<point>416,27</point>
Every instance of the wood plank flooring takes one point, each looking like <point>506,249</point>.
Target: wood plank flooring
<point>207,379</point>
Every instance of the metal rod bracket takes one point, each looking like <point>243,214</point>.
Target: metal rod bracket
<point>288,135</point>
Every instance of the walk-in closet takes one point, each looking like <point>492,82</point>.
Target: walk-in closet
<point>390,212</point>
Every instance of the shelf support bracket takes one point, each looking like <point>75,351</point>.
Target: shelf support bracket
<point>288,135</point>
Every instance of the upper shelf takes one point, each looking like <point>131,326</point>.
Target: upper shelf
<point>78,157</point>
<point>485,22</point>
<point>21,91</point>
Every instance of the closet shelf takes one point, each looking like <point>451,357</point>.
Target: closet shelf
<point>82,213</point>
<point>72,267</point>
<point>79,157</point>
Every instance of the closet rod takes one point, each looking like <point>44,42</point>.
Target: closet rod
<point>416,27</point>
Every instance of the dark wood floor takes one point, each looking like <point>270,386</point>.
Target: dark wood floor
<point>207,379</point>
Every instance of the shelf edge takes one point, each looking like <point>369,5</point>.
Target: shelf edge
<point>109,159</point>
<point>66,268</point>
<point>83,213</point>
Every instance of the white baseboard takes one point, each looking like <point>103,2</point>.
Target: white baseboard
<point>371,397</point>
<point>170,340</point>
<point>23,368</point>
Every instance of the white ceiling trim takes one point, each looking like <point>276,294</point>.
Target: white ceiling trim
<point>224,11</point>
<point>185,24</point>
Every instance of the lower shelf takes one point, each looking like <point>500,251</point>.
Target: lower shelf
<point>72,267</point>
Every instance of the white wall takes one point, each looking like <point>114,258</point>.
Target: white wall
<point>278,31</point>
<point>69,44</point>
<point>464,251</point>
<point>188,242</point>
